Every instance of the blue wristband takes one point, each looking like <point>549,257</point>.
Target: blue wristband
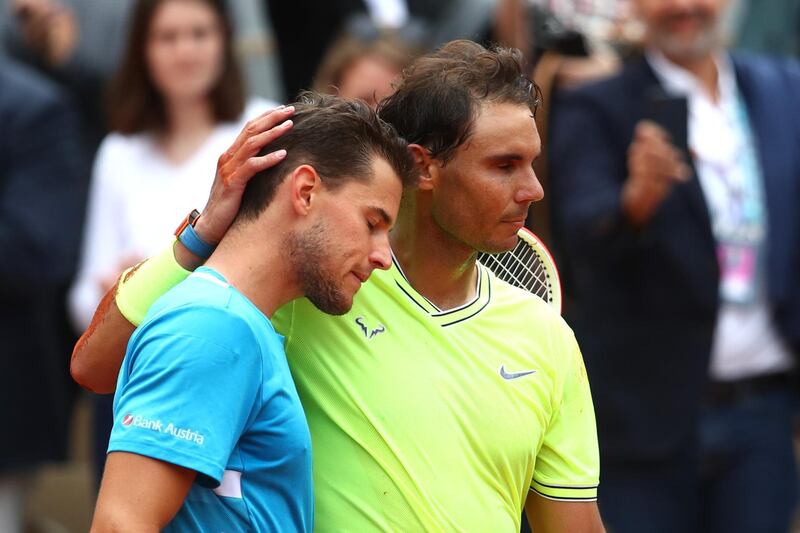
<point>194,243</point>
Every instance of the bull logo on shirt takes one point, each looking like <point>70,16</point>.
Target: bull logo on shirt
<point>369,332</point>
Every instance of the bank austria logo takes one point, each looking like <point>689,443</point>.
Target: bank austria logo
<point>170,429</point>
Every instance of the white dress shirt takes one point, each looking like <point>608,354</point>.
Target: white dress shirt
<point>746,342</point>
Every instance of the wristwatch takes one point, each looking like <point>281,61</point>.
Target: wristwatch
<point>190,239</point>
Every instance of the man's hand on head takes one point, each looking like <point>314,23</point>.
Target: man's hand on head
<point>235,168</point>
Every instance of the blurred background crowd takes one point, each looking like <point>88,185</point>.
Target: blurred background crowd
<point>113,113</point>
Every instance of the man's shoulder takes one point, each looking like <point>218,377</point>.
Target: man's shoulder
<point>527,313</point>
<point>633,74</point>
<point>510,297</point>
<point>26,95</point>
<point>198,294</point>
<point>607,102</point>
<point>210,310</point>
<point>19,79</point>
<point>767,69</point>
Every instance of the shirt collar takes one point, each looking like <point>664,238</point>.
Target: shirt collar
<point>677,80</point>
<point>446,317</point>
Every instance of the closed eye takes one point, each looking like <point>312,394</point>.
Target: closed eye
<point>377,216</point>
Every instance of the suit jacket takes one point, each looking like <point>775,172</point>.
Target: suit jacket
<point>41,211</point>
<point>646,299</point>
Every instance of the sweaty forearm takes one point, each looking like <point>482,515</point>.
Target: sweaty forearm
<point>98,355</point>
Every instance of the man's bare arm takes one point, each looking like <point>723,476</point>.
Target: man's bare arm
<point>98,354</point>
<point>139,494</point>
<point>551,516</point>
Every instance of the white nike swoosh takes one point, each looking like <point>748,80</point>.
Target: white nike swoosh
<point>514,375</point>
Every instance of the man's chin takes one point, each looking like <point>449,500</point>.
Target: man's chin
<point>500,246</point>
<point>339,311</point>
<point>683,48</point>
<point>333,306</point>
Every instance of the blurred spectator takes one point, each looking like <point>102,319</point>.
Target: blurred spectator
<point>599,31</point>
<point>40,217</point>
<point>364,69</point>
<point>176,103</point>
<point>687,276</point>
<point>306,29</point>
<point>77,44</point>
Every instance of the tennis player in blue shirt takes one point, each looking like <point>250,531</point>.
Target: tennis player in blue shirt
<point>209,433</point>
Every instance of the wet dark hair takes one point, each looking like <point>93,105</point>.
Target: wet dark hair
<point>339,138</point>
<point>439,94</point>
<point>135,104</point>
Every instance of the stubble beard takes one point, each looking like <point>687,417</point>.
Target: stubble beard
<point>708,40</point>
<point>310,255</point>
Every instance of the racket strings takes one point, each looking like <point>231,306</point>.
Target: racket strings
<point>528,264</point>
<point>523,267</point>
<point>520,266</point>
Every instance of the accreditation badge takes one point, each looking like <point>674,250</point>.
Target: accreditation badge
<point>738,264</point>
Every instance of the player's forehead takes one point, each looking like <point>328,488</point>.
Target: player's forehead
<point>503,128</point>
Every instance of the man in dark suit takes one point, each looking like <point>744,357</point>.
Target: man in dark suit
<point>40,223</point>
<point>685,266</point>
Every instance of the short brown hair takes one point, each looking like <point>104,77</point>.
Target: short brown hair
<point>134,103</point>
<point>339,138</point>
<point>438,97</point>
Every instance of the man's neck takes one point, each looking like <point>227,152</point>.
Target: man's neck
<point>261,273</point>
<point>704,68</point>
<point>437,265</point>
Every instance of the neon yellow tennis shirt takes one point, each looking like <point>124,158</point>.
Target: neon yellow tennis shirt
<point>429,420</point>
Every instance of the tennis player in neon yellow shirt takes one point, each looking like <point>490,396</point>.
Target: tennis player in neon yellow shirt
<point>424,420</point>
<point>445,400</point>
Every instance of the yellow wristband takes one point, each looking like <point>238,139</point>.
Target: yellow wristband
<point>138,290</point>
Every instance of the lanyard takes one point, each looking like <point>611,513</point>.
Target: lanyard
<point>737,203</point>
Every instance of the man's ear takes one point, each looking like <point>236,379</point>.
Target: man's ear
<point>304,185</point>
<point>427,167</point>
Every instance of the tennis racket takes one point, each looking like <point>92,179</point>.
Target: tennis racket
<point>528,266</point>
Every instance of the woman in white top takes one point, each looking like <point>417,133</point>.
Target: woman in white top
<point>175,105</point>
